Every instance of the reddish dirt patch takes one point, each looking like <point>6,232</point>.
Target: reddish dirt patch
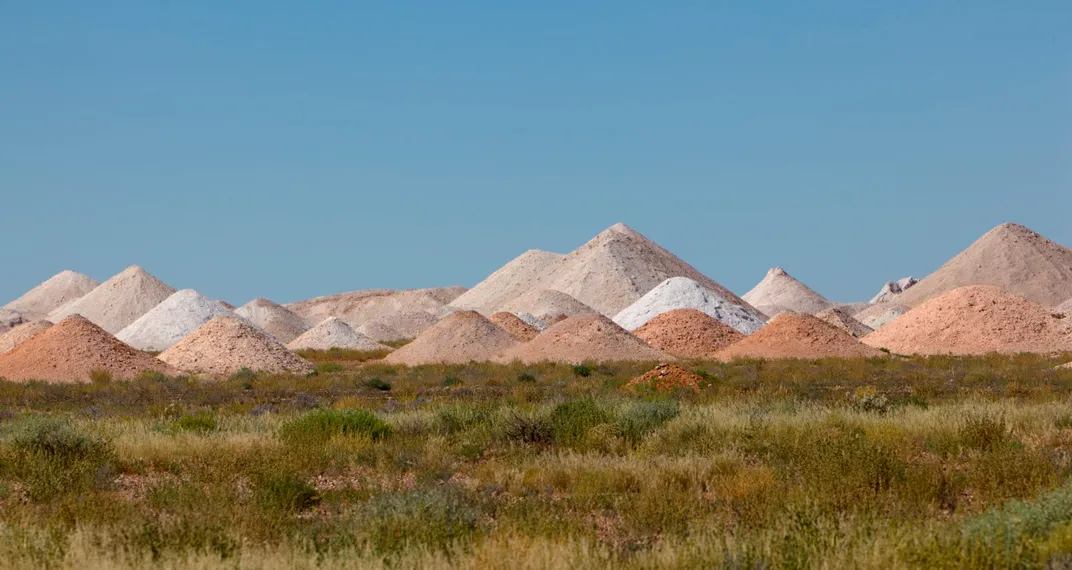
<point>667,378</point>
<point>795,335</point>
<point>688,333</point>
<point>517,328</point>
<point>587,337</point>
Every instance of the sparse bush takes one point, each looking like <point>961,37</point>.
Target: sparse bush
<point>202,423</point>
<point>984,433</point>
<point>434,518</point>
<point>582,371</point>
<point>243,375</point>
<point>570,421</point>
<point>52,458</point>
<point>529,429</point>
<point>100,376</point>
<point>378,384</point>
<point>320,426</point>
<point>449,381</point>
<point>526,378</point>
<point>284,492</point>
<point>329,367</point>
<point>640,419</point>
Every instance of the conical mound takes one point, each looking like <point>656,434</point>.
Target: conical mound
<point>876,316</point>
<point>380,332</point>
<point>334,333</point>
<point>796,335</point>
<point>685,293</point>
<point>463,337</point>
<point>53,293</point>
<point>687,333</point>
<point>547,304</point>
<point>513,324</point>
<point>225,345</point>
<point>118,301</point>
<point>170,321</point>
<point>71,350</point>
<point>891,290</point>
<point>1009,256</point>
<point>409,312</point>
<point>509,282</point>
<point>842,319</point>
<point>584,338</point>
<point>20,334</point>
<point>779,292</point>
<point>975,320</point>
<point>667,378</point>
<point>274,319</point>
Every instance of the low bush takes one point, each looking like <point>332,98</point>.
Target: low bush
<point>319,426</point>
<point>52,458</point>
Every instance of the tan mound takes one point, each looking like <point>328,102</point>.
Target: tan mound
<point>1009,256</point>
<point>118,301</point>
<point>73,348</point>
<point>10,319</point>
<point>687,333</point>
<point>547,304</point>
<point>462,337</point>
<point>334,333</point>
<point>795,335</point>
<point>779,292</point>
<point>876,316</point>
<point>843,319</point>
<point>408,312</point>
<point>53,293</point>
<point>274,319</point>
<point>20,334</point>
<point>225,345</point>
<point>587,337</point>
<point>667,378</point>
<point>510,281</point>
<point>380,332</point>
<point>1065,307</point>
<point>517,328</point>
<point>975,320</point>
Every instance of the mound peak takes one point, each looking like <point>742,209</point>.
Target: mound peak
<point>842,318</point>
<point>686,293</point>
<point>225,345</point>
<point>174,318</point>
<point>687,333</point>
<point>546,304</point>
<point>273,318</point>
<point>53,293</point>
<point>119,301</point>
<point>20,334</point>
<point>459,338</point>
<point>514,325</point>
<point>583,338</point>
<point>779,291</point>
<point>333,332</point>
<point>797,335</point>
<point>409,312</point>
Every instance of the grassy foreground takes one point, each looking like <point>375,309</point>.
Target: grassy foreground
<point>886,463</point>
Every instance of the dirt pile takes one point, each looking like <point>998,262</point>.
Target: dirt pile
<point>21,334</point>
<point>780,291</point>
<point>380,332</point>
<point>1065,307</point>
<point>10,319</point>
<point>892,289</point>
<point>334,333</point>
<point>876,316</point>
<point>687,333</point>
<point>171,320</point>
<point>512,324</point>
<point>843,319</point>
<point>225,345</point>
<point>408,312</point>
<point>71,350</point>
<point>667,378</point>
<point>796,335</point>
<point>509,282</point>
<point>532,320</point>
<point>685,293</point>
<point>53,293</point>
<point>547,304</point>
<point>583,338</point>
<point>463,337</point>
<point>274,319</point>
<point>1009,256</point>
<point>118,301</point>
<point>975,320</point>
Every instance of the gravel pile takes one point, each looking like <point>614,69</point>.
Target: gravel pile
<point>975,320</point>
<point>876,316</point>
<point>225,345</point>
<point>779,292</point>
<point>890,291</point>
<point>71,350</point>
<point>53,293</point>
<point>380,332</point>
<point>509,282</point>
<point>685,293</point>
<point>408,312</point>
<point>667,378</point>
<point>463,337</point>
<point>274,319</point>
<point>517,328</point>
<point>843,319</point>
<point>547,304</point>
<point>796,335</point>
<point>584,338</point>
<point>21,334</point>
<point>687,333</point>
<point>119,301</point>
<point>532,320</point>
<point>174,318</point>
<point>334,333</point>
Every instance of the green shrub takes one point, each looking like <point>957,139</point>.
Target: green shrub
<point>526,378</point>
<point>378,384</point>
<point>201,423</point>
<point>151,376</point>
<point>582,371</point>
<point>642,418</point>
<point>243,375</point>
<point>51,458</point>
<point>453,419</point>
<point>100,376</point>
<point>985,433</point>
<point>284,492</point>
<point>570,421</point>
<point>434,518</point>
<point>329,367</point>
<point>450,381</point>
<point>319,426</point>
<point>528,429</point>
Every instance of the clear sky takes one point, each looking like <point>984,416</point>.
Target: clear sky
<point>294,149</point>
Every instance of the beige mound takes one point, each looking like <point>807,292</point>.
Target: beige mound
<point>53,293</point>
<point>779,292</point>
<point>380,332</point>
<point>334,333</point>
<point>974,320</point>
<point>10,319</point>
<point>584,338</point>
<point>667,378</point>
<point>274,319</point>
<point>72,349</point>
<point>20,334</point>
<point>517,328</point>
<point>408,312</point>
<point>225,345</point>
<point>1009,256</point>
<point>118,301</point>
<point>546,304</point>
<point>843,319</point>
<point>795,335</point>
<point>876,316</point>
<point>509,282</point>
<point>687,333</point>
<point>1065,307</point>
<point>463,337</point>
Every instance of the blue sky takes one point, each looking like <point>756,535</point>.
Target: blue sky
<point>296,149</point>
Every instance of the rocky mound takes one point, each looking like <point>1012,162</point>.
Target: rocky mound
<point>687,333</point>
<point>975,320</point>
<point>53,293</point>
<point>225,345</point>
<point>1009,256</point>
<point>380,332</point>
<point>463,337</point>
<point>20,334</point>
<point>334,333</point>
<point>667,378</point>
<point>119,301</point>
<point>171,320</point>
<point>546,304</point>
<point>512,324</point>
<point>795,335</point>
<point>685,293</point>
<point>10,319</point>
<point>509,282</point>
<point>876,316</point>
<point>892,289</point>
<point>843,319</point>
<point>274,319</point>
<point>71,350</point>
<point>408,312</point>
<point>584,338</point>
<point>532,320</point>
<point>779,292</point>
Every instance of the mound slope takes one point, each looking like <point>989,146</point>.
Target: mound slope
<point>20,334</point>
<point>842,318</point>
<point>225,345</point>
<point>510,281</point>
<point>687,333</point>
<point>583,338</point>
<point>273,318</point>
<point>779,292</point>
<point>380,332</point>
<point>409,312</point>
<point>796,335</point>
<point>118,301</point>
<point>876,316</point>
<point>667,378</point>
<point>1065,307</point>
<point>685,293</point>
<point>53,293</point>
<point>171,320</point>
<point>10,319</point>
<point>547,304</point>
<point>513,324</point>
<point>462,337</point>
<point>892,289</point>
<point>334,333</point>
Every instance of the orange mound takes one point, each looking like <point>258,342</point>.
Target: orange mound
<point>586,337</point>
<point>687,333</point>
<point>667,378</point>
<point>795,335</point>
<point>517,328</point>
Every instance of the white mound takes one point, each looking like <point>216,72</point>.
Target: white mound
<point>892,289</point>
<point>274,319</point>
<point>119,301</point>
<point>685,293</point>
<point>53,293</point>
<point>779,292</point>
<point>547,304</point>
<point>380,332</point>
<point>174,318</point>
<point>532,320</point>
<point>334,333</point>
